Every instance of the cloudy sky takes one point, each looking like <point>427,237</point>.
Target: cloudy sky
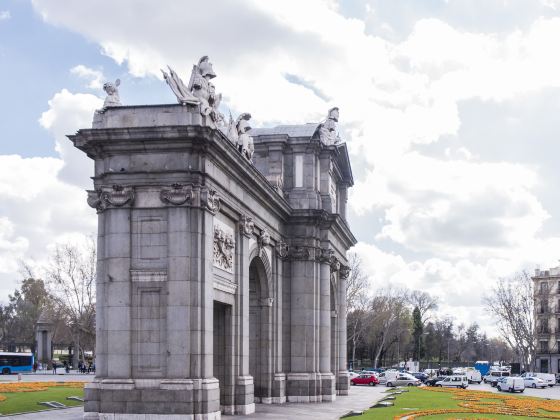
<point>450,109</point>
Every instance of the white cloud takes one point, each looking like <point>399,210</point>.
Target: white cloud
<point>474,218</point>
<point>5,15</point>
<point>67,113</point>
<point>94,77</point>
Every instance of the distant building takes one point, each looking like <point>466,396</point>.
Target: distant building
<point>547,308</point>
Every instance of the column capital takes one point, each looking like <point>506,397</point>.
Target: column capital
<point>210,200</point>
<point>113,196</point>
<point>176,195</point>
<point>246,225</point>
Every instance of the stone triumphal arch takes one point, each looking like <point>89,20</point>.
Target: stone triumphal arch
<point>221,257</point>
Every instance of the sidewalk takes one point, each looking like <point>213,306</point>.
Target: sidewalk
<point>360,398</point>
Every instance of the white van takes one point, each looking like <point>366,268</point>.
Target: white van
<point>455,381</point>
<point>549,378</point>
<point>511,384</point>
<point>473,376</point>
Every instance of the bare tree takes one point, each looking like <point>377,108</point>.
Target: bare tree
<point>356,303</point>
<point>71,278</point>
<point>357,286</point>
<point>424,302</point>
<point>511,302</point>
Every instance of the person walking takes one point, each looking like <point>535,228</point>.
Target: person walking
<point>54,367</point>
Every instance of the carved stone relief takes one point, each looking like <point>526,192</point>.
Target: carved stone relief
<point>264,238</point>
<point>210,200</point>
<point>246,225</point>
<point>224,245</point>
<point>282,249</point>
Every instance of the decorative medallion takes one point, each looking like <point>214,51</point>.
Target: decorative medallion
<point>115,196</point>
<point>178,194</point>
<point>282,249</point>
<point>246,225</point>
<point>210,200</point>
<point>223,247</point>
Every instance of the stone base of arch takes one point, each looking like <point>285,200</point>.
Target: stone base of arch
<point>342,383</point>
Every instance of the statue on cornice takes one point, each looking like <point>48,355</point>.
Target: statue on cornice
<point>327,129</point>
<point>244,140</point>
<point>205,91</point>
<point>199,90</point>
<point>112,91</point>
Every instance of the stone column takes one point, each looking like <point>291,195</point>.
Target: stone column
<point>244,387</point>
<point>303,381</point>
<point>327,378</point>
<point>343,380</point>
<point>279,380</point>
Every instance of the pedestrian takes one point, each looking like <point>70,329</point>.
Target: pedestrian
<point>54,367</point>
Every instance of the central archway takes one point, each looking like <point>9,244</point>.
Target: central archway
<point>260,334</point>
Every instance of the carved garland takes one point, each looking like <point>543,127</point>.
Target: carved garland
<point>105,197</point>
<point>223,249</point>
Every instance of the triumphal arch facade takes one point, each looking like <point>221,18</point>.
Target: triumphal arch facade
<point>222,273</point>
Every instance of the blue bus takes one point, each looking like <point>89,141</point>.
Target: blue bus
<point>16,362</point>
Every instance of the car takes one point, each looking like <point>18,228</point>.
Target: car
<point>352,374</point>
<point>421,376</point>
<point>534,382</point>
<point>454,381</point>
<point>474,376</point>
<point>433,381</point>
<point>365,379</point>
<point>403,379</point>
<point>511,384</point>
<point>549,378</point>
<point>493,376</point>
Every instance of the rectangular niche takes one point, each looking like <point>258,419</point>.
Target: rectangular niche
<point>149,309</point>
<point>149,239</point>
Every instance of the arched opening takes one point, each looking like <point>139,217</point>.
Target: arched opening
<point>259,331</point>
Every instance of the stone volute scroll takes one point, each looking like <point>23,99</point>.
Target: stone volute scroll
<point>105,197</point>
<point>327,130</point>
<point>246,226</point>
<point>223,247</point>
<point>210,200</point>
<point>177,195</point>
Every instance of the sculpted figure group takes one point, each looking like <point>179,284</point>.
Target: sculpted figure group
<point>201,91</point>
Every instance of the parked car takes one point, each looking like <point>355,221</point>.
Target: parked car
<point>534,382</point>
<point>493,376</point>
<point>549,378</point>
<point>473,376</point>
<point>352,374</point>
<point>388,375</point>
<point>421,376</point>
<point>455,381</point>
<point>365,379</point>
<point>434,381</point>
<point>403,379</point>
<point>511,384</point>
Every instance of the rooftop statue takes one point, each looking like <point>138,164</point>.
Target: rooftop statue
<point>112,91</point>
<point>199,90</point>
<point>244,140</point>
<point>182,92</point>
<point>327,129</point>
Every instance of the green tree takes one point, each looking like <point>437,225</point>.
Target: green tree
<point>417,331</point>
<point>25,307</point>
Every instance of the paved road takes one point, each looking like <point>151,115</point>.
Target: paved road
<point>49,376</point>
<point>360,398</point>
<point>552,393</point>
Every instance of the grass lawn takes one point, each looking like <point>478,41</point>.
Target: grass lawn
<point>18,402</point>
<point>421,399</point>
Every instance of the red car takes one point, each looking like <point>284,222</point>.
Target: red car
<point>365,379</point>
